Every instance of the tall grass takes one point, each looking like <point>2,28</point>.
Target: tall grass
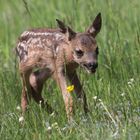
<point>113,92</point>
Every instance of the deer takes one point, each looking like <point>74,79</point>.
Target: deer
<point>56,53</point>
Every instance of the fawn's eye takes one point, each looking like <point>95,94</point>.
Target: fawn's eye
<point>97,50</point>
<point>79,53</point>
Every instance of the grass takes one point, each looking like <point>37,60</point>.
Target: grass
<point>113,92</point>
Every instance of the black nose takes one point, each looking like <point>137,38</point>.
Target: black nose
<point>91,65</point>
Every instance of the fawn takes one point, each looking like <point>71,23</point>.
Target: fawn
<point>56,53</point>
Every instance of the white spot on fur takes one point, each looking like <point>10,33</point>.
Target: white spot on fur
<point>57,49</point>
<point>36,41</point>
<point>57,36</point>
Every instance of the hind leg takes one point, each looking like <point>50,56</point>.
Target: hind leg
<point>25,96</point>
<point>37,80</point>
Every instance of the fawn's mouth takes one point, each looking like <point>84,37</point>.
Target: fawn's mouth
<point>89,70</point>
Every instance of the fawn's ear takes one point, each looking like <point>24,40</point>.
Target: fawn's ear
<point>95,28</point>
<point>62,26</point>
<point>66,29</point>
<point>71,34</point>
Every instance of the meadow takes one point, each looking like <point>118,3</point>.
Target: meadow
<point>113,93</point>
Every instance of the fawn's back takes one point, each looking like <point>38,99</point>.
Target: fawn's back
<point>41,47</point>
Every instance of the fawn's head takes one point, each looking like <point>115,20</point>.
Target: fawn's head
<point>84,46</point>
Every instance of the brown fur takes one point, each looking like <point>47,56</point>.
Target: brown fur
<point>56,53</point>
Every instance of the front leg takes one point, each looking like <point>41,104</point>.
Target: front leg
<point>61,81</point>
<point>78,88</point>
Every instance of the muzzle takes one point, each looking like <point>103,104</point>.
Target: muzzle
<point>91,67</point>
